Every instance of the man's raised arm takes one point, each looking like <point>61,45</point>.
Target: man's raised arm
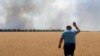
<point>74,24</point>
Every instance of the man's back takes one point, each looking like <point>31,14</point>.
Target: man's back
<point>69,36</point>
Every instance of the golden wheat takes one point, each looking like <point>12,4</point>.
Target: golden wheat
<point>46,44</point>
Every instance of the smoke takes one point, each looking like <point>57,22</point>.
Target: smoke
<point>88,13</point>
<point>18,13</point>
<point>49,14</point>
<point>55,14</point>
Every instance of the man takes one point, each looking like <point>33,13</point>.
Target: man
<point>69,40</point>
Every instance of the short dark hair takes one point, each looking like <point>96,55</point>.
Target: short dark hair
<point>69,27</point>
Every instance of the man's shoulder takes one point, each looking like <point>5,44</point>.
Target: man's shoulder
<point>73,30</point>
<point>65,31</point>
<point>68,31</point>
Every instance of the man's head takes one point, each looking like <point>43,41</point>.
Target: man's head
<point>69,27</point>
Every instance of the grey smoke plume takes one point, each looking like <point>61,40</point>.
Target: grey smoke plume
<point>49,14</point>
<point>17,14</point>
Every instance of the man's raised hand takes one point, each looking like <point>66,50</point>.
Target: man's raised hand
<point>74,23</point>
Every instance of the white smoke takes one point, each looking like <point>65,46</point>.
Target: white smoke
<point>49,14</point>
<point>89,14</point>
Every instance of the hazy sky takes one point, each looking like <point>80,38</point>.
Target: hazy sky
<point>49,14</point>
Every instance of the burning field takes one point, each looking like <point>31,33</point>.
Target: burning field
<point>46,44</point>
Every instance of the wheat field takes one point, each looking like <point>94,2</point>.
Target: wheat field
<point>46,44</point>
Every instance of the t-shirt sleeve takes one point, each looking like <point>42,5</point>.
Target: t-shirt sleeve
<point>76,32</point>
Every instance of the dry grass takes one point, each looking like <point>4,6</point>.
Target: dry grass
<point>45,44</point>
